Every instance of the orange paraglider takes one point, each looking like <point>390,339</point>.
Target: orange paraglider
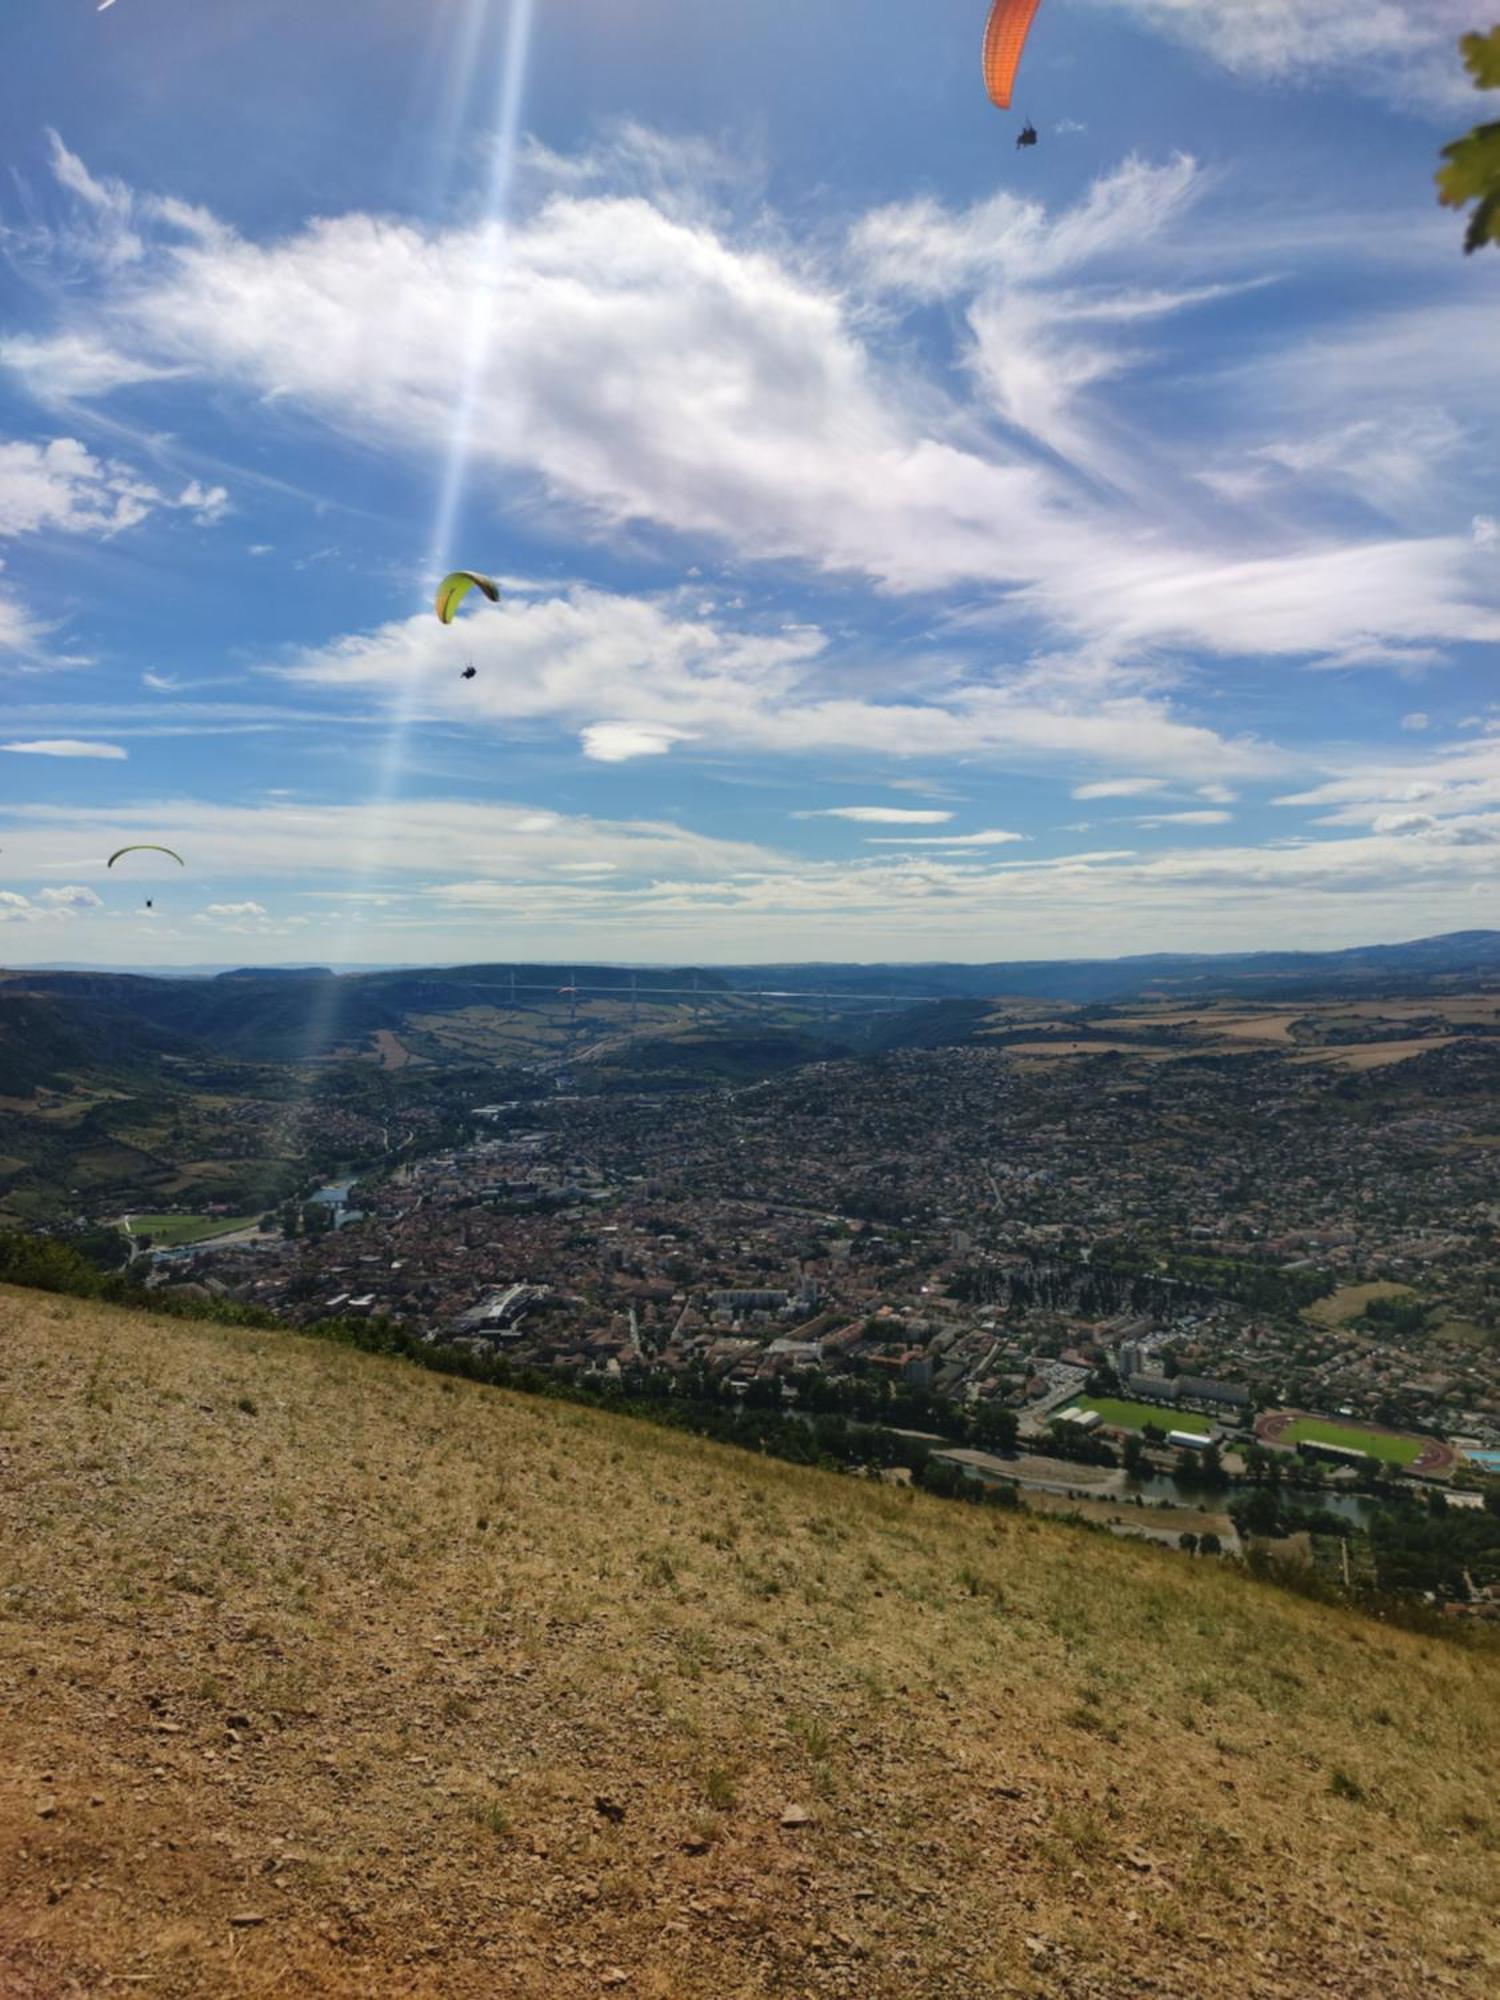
<point>1004,38</point>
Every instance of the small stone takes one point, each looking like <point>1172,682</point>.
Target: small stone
<point>246,1919</point>
<point>609,1809</point>
<point>46,1808</point>
<point>795,1815</point>
<point>612,1975</point>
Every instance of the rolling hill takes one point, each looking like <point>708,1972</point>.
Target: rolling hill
<point>323,1676</point>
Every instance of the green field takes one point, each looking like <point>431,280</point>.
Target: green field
<point>1135,1416</point>
<point>1345,1305</point>
<point>1316,1430</point>
<point>169,1232</point>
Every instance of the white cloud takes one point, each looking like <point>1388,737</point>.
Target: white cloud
<point>649,365</point>
<point>658,891</point>
<point>1204,818</point>
<point>65,366</point>
<point>930,252</point>
<point>1403,50</point>
<point>880,815</point>
<point>72,897</point>
<point>1456,781</point>
<point>62,486</point>
<point>1394,464</point>
<point>68,746</point>
<point>1486,531</point>
<point>636,675</point>
<point>19,631</point>
<point>1117,788</point>
<point>617,742</point>
<point>993,836</point>
<point>51,906</point>
<point>1416,722</point>
<point>422,839</point>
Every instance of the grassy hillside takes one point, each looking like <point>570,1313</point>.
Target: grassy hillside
<point>323,1676</point>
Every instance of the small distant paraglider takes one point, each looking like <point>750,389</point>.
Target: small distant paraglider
<point>1004,38</point>
<point>145,847</point>
<point>1027,135</point>
<point>469,672</point>
<point>455,587</point>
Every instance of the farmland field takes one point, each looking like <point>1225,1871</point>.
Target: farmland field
<point>1135,1416</point>
<point>168,1232</point>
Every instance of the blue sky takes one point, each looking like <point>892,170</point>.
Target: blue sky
<point>912,548</point>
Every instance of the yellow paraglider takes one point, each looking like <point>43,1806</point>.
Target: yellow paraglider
<point>455,588</point>
<point>148,847</point>
<point>1004,38</point>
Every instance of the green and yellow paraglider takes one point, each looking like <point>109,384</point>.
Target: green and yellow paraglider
<point>456,586</point>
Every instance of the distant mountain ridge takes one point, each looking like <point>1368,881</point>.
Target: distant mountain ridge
<point>1206,975</point>
<point>291,1014</point>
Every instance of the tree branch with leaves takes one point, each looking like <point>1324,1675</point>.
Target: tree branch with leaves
<point>1473,169</point>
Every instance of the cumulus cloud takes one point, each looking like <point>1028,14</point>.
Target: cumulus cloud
<point>618,742</point>
<point>61,486</point>
<point>68,746</point>
<point>234,916</point>
<point>637,675</point>
<point>72,897</point>
<point>51,906</point>
<point>649,365</point>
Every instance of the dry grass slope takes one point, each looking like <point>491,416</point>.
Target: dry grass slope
<point>317,1676</point>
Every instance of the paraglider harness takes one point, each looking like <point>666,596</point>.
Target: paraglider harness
<point>1027,135</point>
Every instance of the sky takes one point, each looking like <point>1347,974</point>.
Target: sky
<point>911,547</point>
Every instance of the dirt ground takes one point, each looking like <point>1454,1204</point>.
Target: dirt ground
<point>322,1676</point>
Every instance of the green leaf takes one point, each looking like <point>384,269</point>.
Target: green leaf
<point>1482,58</point>
<point>1484,223</point>
<point>1473,169</point>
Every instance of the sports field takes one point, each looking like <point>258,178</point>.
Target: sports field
<point>1135,1416</point>
<point>169,1232</point>
<point>1402,1451</point>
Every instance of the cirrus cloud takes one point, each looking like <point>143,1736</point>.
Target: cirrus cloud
<point>68,746</point>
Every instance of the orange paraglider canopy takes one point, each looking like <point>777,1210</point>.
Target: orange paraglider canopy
<point>1004,38</point>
